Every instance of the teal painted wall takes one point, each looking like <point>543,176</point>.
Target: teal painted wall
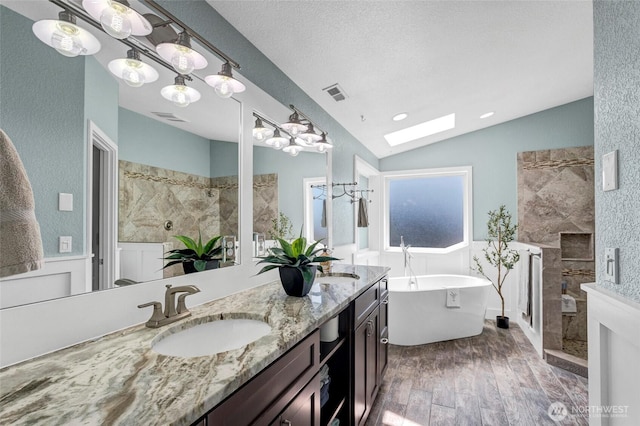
<point>492,154</point>
<point>262,72</point>
<point>224,159</point>
<point>617,127</point>
<point>291,171</point>
<point>148,141</point>
<point>101,98</point>
<point>42,95</point>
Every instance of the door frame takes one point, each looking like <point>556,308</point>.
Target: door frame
<point>109,199</point>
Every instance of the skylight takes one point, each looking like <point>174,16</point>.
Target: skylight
<point>421,130</point>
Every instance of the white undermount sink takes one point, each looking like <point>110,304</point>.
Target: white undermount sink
<point>212,337</point>
<point>336,278</point>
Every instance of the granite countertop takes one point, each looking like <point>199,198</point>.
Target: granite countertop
<point>118,379</point>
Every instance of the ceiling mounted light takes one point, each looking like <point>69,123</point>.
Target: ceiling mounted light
<point>401,116</point>
<point>179,93</point>
<point>310,137</point>
<point>132,70</point>
<point>65,36</point>
<point>260,132</point>
<point>487,114</point>
<point>180,54</point>
<point>293,148</point>
<point>276,141</point>
<point>294,126</point>
<point>223,83</point>
<point>117,18</point>
<point>323,144</point>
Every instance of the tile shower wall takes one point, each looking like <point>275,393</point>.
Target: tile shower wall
<point>556,208</point>
<point>265,202</point>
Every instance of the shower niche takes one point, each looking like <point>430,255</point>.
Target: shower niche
<point>576,246</point>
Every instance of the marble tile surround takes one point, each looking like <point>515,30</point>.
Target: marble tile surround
<point>556,195</point>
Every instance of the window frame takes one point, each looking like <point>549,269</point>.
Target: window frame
<point>466,172</point>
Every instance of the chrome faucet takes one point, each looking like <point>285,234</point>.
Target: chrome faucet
<point>408,272</point>
<point>171,314</point>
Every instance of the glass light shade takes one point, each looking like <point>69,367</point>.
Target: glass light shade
<point>180,94</point>
<point>117,19</point>
<point>134,72</point>
<point>260,132</point>
<point>293,126</point>
<point>224,86</point>
<point>66,37</point>
<point>310,137</point>
<point>323,145</point>
<point>293,148</point>
<point>183,59</point>
<point>276,141</point>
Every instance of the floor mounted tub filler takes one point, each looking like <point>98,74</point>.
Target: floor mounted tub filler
<point>433,308</point>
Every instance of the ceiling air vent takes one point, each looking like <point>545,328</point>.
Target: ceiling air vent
<point>169,116</point>
<point>336,92</point>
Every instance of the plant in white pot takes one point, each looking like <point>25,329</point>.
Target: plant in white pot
<point>297,264</point>
<point>500,232</point>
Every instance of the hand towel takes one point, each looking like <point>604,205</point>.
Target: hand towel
<point>363,215</point>
<point>524,282</point>
<point>453,297</point>
<point>569,304</point>
<point>21,248</point>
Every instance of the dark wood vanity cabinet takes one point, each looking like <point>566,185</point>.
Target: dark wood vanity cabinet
<point>288,392</point>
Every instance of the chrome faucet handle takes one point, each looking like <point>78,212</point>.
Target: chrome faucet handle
<point>157,315</point>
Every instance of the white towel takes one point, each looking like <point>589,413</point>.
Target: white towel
<point>568,304</point>
<point>453,297</point>
<point>21,249</point>
<point>524,282</point>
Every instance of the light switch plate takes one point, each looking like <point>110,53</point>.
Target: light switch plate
<point>611,264</point>
<point>65,245</point>
<point>610,171</point>
<point>65,202</point>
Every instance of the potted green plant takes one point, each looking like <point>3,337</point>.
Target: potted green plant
<point>498,254</point>
<point>297,264</point>
<point>195,257</point>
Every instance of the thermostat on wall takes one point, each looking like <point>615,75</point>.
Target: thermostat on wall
<point>610,171</point>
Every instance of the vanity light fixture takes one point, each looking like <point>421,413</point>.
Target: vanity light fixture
<point>132,70</point>
<point>65,36</point>
<point>262,133</point>
<point>180,54</point>
<point>223,83</point>
<point>294,126</point>
<point>293,149</point>
<point>179,93</point>
<point>117,18</point>
<point>276,141</point>
<point>323,144</point>
<point>309,136</point>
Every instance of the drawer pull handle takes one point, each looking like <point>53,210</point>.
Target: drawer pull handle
<point>285,423</point>
<point>369,328</point>
<point>384,340</point>
<point>385,301</point>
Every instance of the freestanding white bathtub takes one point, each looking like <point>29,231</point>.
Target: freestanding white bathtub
<point>420,315</point>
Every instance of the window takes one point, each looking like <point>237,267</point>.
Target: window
<point>429,209</point>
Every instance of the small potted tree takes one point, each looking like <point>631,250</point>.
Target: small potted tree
<point>195,257</point>
<point>297,264</point>
<point>500,232</point>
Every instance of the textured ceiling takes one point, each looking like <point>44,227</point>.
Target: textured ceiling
<point>426,58</point>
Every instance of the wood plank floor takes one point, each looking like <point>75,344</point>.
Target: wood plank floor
<point>495,378</point>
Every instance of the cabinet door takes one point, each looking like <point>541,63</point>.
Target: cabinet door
<point>365,367</point>
<point>304,410</point>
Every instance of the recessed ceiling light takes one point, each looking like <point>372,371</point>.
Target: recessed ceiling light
<point>421,130</point>
<point>487,114</point>
<point>401,116</point>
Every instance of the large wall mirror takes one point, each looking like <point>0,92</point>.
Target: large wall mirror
<point>164,169</point>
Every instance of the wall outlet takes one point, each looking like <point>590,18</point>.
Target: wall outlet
<point>65,245</point>
<point>611,256</point>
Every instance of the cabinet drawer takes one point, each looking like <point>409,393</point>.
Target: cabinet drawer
<point>366,303</point>
<point>271,389</point>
